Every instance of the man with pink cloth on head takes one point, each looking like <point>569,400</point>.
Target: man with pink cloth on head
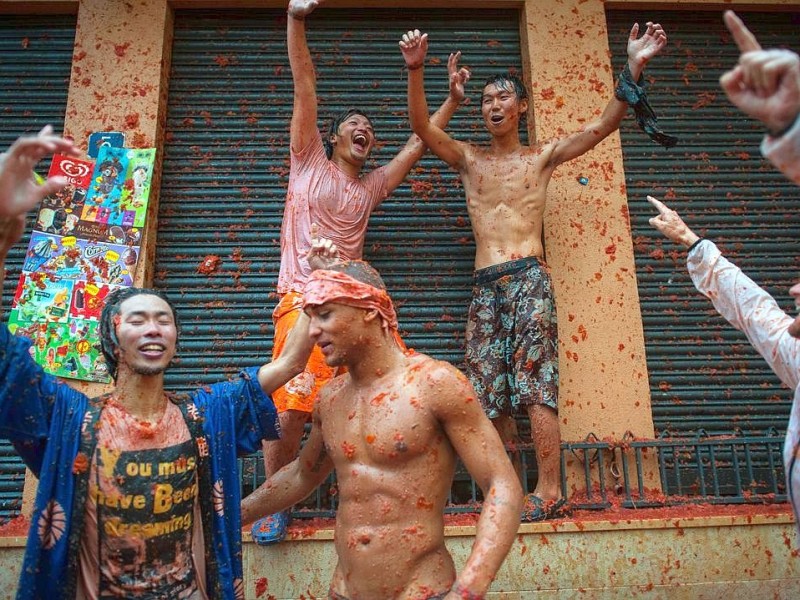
<point>393,426</point>
<point>327,187</point>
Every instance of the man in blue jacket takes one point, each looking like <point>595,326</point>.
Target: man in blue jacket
<point>138,489</point>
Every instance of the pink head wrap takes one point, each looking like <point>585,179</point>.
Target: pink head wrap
<point>334,286</point>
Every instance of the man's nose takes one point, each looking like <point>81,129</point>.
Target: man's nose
<point>313,330</point>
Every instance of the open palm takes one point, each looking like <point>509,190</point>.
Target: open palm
<point>642,49</point>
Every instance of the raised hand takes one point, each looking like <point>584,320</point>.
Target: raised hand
<point>642,49</point>
<point>18,191</point>
<point>765,84</point>
<point>671,225</point>
<point>414,46</point>
<point>299,9</point>
<point>323,252</point>
<point>458,77</point>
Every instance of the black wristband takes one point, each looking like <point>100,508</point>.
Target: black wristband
<point>695,244</point>
<point>635,95</point>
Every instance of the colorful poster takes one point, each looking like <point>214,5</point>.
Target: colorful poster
<point>72,258</point>
<point>120,187</point>
<point>59,212</point>
<point>85,243</point>
<point>70,349</point>
<point>39,298</point>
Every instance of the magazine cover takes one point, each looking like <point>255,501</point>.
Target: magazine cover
<point>85,242</point>
<point>70,349</point>
<point>59,212</point>
<point>120,187</point>
<point>68,257</point>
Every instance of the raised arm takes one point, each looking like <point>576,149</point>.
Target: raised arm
<point>765,84</point>
<point>304,112</point>
<point>669,223</point>
<point>477,443</point>
<point>293,482</point>
<point>401,164</point>
<point>415,47</point>
<point>19,193</point>
<point>294,357</point>
<point>640,51</point>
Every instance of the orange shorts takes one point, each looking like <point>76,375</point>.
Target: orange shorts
<point>300,392</point>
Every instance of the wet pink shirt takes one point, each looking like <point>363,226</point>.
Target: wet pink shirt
<point>320,192</point>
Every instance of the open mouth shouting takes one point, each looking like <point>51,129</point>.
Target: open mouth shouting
<point>360,142</point>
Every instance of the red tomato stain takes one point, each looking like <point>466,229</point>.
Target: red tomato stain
<point>349,450</point>
<point>139,141</point>
<point>120,49</point>
<point>209,265</point>
<point>132,121</point>
<point>261,586</point>
<point>377,400</point>
<point>424,504</point>
<point>18,526</point>
<point>370,439</point>
<point>80,464</point>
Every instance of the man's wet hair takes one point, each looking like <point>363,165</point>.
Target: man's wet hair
<point>360,271</point>
<point>509,83</point>
<point>335,123</point>
<point>108,331</point>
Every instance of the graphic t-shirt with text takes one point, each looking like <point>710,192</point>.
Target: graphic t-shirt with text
<point>143,525</point>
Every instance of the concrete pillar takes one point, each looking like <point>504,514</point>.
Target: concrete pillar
<point>604,383</point>
<point>119,83</point>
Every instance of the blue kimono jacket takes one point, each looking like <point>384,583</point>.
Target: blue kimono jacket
<point>49,423</point>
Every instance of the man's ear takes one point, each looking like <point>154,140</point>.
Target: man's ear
<point>332,139</point>
<point>523,106</point>
<point>370,315</point>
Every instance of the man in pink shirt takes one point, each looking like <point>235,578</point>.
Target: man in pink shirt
<point>328,191</point>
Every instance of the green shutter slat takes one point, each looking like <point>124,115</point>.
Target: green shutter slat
<point>226,164</point>
<point>36,59</point>
<point>703,373</point>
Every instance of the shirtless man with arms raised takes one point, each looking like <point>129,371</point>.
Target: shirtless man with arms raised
<point>512,351</point>
<point>393,427</point>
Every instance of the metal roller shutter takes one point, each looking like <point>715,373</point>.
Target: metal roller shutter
<point>226,169</point>
<point>36,59</point>
<point>703,373</point>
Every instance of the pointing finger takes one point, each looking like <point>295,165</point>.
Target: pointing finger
<point>658,205</point>
<point>743,37</point>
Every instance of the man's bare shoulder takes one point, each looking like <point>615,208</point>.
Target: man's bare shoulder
<point>436,380</point>
<point>418,363</point>
<point>331,391</point>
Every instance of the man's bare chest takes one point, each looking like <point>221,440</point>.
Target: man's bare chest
<point>385,427</point>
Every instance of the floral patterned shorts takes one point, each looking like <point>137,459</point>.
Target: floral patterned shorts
<point>512,337</point>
